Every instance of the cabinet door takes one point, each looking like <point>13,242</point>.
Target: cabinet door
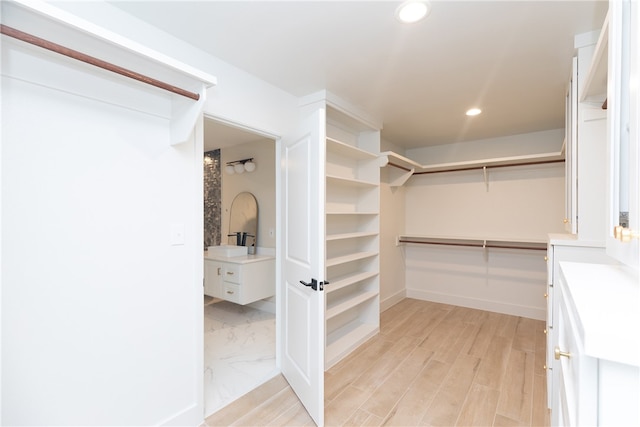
<point>624,132</point>
<point>213,278</point>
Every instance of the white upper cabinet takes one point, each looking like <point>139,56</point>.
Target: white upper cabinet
<point>623,216</point>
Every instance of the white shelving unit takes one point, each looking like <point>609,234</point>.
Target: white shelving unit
<point>404,168</point>
<point>352,208</point>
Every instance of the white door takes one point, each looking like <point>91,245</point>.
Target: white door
<point>624,132</point>
<point>302,308</point>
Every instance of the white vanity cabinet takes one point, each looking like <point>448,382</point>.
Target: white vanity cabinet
<point>242,280</point>
<point>597,346</point>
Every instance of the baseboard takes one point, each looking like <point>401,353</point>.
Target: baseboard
<point>494,306</point>
<point>392,300</point>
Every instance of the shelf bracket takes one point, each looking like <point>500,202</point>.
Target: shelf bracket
<point>486,181</point>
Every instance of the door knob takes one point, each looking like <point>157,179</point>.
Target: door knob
<point>557,353</point>
<point>624,234</point>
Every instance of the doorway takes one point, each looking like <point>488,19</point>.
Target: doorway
<point>239,339</point>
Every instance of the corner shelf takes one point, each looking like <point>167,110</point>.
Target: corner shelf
<point>410,167</point>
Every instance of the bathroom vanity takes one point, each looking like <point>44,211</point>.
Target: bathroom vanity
<point>240,279</point>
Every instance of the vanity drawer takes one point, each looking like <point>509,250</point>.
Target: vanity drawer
<point>232,273</point>
<point>231,292</point>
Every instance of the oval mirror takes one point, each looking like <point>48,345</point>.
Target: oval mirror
<point>243,220</point>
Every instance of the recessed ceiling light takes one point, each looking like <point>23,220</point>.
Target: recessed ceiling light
<point>412,11</point>
<point>473,112</point>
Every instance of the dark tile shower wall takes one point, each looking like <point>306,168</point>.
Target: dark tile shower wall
<point>212,198</point>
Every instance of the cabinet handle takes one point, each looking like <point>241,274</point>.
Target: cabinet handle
<point>230,292</point>
<point>546,258</point>
<point>566,221</point>
<point>546,295</point>
<point>557,353</point>
<point>229,273</point>
<point>219,272</point>
<point>544,332</point>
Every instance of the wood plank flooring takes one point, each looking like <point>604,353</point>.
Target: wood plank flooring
<point>431,365</point>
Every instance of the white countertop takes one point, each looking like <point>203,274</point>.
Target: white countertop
<point>243,259</point>
<point>606,299</point>
<point>572,240</point>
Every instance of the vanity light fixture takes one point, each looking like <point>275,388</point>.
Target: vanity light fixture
<point>473,112</point>
<point>240,166</point>
<point>413,11</point>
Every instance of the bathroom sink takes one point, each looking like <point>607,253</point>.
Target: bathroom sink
<point>227,250</point>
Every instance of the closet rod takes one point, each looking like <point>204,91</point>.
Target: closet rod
<point>471,245</point>
<point>37,41</point>
<point>399,167</point>
<point>490,166</point>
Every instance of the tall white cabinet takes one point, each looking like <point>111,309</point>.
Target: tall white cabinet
<point>593,346</point>
<point>352,227</point>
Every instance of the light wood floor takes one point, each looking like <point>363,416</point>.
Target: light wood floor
<point>432,364</point>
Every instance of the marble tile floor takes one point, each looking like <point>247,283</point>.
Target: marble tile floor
<point>239,351</point>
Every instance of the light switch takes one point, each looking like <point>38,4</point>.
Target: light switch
<point>177,234</point>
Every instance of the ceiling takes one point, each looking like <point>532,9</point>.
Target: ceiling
<point>511,58</point>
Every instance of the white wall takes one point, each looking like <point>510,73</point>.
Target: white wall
<point>392,273</point>
<point>520,202</point>
<point>392,224</point>
<point>261,183</point>
<point>238,97</point>
<point>548,141</point>
<point>101,318</point>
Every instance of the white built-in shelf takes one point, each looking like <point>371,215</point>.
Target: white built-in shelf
<point>355,235</point>
<point>351,213</point>
<point>348,280</point>
<point>346,150</point>
<point>341,341</point>
<point>496,243</point>
<point>410,167</point>
<point>347,302</point>
<point>355,256</point>
<point>595,82</point>
<point>351,182</point>
<point>352,210</point>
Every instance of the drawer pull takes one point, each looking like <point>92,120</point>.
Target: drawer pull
<point>230,292</point>
<point>229,273</point>
<point>557,353</point>
<point>566,221</point>
<point>546,295</point>
<point>546,258</point>
<point>545,332</point>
